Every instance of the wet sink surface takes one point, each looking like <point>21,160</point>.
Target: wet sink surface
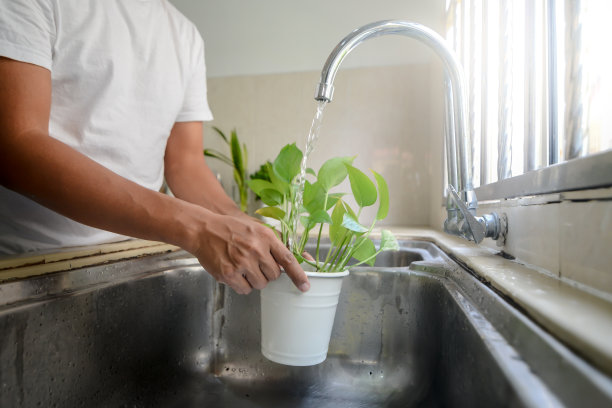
<point>409,252</point>
<point>159,332</point>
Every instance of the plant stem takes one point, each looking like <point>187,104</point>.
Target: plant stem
<point>318,243</point>
<point>321,229</point>
<point>243,197</point>
<point>340,248</point>
<point>314,264</point>
<point>348,254</point>
<point>285,226</point>
<point>341,261</point>
<point>329,253</point>
<point>304,240</point>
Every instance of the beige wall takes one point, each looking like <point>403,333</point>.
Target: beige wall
<point>381,114</point>
<point>264,60</point>
<point>567,234</point>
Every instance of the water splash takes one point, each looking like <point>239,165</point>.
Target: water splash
<point>311,141</point>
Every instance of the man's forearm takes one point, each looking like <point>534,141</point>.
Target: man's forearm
<point>64,180</point>
<point>238,252</point>
<point>196,183</point>
<point>188,175</point>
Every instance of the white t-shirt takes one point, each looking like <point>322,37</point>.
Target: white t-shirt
<point>123,72</point>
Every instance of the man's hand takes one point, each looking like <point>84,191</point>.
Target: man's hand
<point>235,249</point>
<point>245,255</point>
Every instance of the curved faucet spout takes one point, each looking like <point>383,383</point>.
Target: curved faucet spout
<point>458,142</point>
<point>458,139</point>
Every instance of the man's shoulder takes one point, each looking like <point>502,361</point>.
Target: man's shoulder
<point>184,25</point>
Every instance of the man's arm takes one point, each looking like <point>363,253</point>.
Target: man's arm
<point>242,254</point>
<point>188,175</point>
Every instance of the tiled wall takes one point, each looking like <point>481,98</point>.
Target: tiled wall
<point>567,234</point>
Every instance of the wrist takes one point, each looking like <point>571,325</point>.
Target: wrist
<point>187,224</point>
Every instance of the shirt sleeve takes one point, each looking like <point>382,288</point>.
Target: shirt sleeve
<point>195,103</point>
<point>27,31</point>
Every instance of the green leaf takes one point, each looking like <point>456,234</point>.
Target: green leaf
<point>336,230</point>
<point>281,186</point>
<point>306,222</point>
<point>220,133</point>
<point>363,188</point>
<point>388,242</point>
<point>352,224</point>
<point>245,160</point>
<point>333,171</point>
<point>258,185</point>
<point>332,199</point>
<point>314,197</point>
<point>310,171</point>
<point>218,155</point>
<point>271,212</point>
<point>271,197</point>
<point>298,257</point>
<point>350,210</point>
<point>238,179</point>
<point>237,154</point>
<point>318,217</point>
<point>365,250</point>
<point>383,196</point>
<point>287,163</point>
<point>261,173</point>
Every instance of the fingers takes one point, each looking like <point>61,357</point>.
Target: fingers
<point>246,278</point>
<point>248,273</point>
<point>308,256</point>
<point>270,270</point>
<point>239,283</point>
<point>243,283</point>
<point>246,255</point>
<point>255,278</point>
<point>285,259</point>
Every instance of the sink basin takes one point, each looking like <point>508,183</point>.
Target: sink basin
<point>160,332</point>
<point>409,252</point>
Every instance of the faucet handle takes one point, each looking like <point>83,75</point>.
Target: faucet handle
<point>475,230</point>
<point>473,227</point>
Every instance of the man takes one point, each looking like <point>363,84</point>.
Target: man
<point>99,100</point>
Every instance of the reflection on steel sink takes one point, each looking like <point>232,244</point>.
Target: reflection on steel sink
<point>409,252</point>
<point>159,332</point>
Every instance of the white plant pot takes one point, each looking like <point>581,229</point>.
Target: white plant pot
<point>296,327</point>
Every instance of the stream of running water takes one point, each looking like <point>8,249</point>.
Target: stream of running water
<point>311,141</point>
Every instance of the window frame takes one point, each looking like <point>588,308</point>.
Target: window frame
<point>558,171</point>
<point>584,173</point>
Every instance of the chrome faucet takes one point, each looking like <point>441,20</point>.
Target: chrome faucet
<point>461,202</point>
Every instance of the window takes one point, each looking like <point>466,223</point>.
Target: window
<point>539,90</point>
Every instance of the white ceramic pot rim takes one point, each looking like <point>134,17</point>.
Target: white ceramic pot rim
<point>313,274</point>
<point>327,274</point>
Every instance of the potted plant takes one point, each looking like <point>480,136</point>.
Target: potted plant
<point>261,174</point>
<point>296,327</point>
<point>238,160</point>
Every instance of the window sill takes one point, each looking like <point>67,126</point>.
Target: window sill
<point>590,172</point>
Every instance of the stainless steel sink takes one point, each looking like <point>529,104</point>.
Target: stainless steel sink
<point>409,252</point>
<point>159,332</point>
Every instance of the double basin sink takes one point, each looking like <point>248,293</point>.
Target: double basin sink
<point>415,330</point>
